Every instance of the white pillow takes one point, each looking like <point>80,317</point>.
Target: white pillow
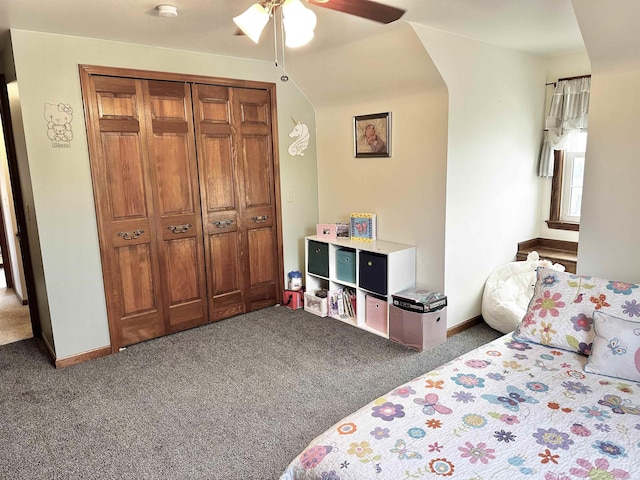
<point>616,347</point>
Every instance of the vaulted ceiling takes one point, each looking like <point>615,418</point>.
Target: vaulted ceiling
<point>543,27</point>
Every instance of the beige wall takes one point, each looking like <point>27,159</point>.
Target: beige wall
<point>466,132</point>
<point>609,230</point>
<point>47,72</point>
<point>496,98</point>
<point>406,191</point>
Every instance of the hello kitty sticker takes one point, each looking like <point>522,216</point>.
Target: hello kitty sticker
<point>58,117</point>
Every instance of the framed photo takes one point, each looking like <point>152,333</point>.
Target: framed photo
<point>363,226</point>
<point>372,135</point>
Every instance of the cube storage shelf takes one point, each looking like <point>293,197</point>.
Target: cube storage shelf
<point>379,269</point>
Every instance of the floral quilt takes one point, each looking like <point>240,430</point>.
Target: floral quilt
<point>509,409</point>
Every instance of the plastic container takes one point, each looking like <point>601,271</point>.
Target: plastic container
<point>316,305</point>
<point>295,280</point>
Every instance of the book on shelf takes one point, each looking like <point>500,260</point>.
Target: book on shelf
<point>342,303</point>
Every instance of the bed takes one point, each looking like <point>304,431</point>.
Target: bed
<point>558,399</point>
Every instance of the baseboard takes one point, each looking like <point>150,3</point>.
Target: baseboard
<point>464,325</point>
<point>82,357</point>
<point>49,347</point>
<point>23,301</point>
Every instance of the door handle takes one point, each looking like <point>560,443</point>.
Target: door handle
<point>179,228</point>
<point>260,218</point>
<point>131,235</point>
<point>223,223</point>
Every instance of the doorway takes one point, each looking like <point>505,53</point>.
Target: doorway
<point>17,321</point>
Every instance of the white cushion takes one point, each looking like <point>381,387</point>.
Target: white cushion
<point>508,291</point>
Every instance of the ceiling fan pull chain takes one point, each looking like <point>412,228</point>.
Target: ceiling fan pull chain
<point>275,37</point>
<point>284,77</point>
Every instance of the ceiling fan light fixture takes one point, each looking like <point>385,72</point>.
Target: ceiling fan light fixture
<point>299,23</point>
<point>297,37</point>
<point>253,21</point>
<point>296,12</point>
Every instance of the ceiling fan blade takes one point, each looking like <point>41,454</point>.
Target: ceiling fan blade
<point>375,11</point>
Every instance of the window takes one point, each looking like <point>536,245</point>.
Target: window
<point>566,187</point>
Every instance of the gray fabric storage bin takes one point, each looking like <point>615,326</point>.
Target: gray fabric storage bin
<point>318,258</point>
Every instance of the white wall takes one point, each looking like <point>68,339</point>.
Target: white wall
<point>610,230</point>
<point>563,66</point>
<point>47,72</point>
<point>406,191</point>
<point>13,256</point>
<point>40,304</point>
<point>496,99</point>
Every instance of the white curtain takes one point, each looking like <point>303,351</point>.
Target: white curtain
<point>568,114</point>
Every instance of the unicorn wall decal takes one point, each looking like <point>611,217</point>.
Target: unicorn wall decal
<point>301,133</point>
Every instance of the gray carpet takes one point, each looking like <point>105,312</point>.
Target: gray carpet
<point>237,399</point>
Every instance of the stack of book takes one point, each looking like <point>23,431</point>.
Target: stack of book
<point>342,303</point>
<point>419,300</point>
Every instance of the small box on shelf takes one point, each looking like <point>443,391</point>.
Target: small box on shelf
<point>331,231</point>
<point>419,300</point>
<point>313,303</point>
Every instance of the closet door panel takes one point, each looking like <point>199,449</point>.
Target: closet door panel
<point>218,171</point>
<point>135,276</point>
<point>258,178</point>
<point>174,175</point>
<point>219,198</point>
<point>125,186</point>
<point>257,205</point>
<point>124,207</point>
<point>226,279</point>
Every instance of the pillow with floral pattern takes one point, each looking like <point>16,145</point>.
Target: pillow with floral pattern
<point>560,313</point>
<point>616,348</point>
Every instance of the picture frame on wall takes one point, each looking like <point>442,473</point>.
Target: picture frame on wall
<point>372,135</point>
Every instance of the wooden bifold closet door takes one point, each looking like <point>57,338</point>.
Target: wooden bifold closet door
<point>185,186</point>
<point>233,130</point>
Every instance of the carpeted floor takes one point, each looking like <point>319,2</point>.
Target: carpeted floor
<point>237,399</point>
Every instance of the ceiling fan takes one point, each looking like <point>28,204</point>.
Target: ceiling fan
<point>299,21</point>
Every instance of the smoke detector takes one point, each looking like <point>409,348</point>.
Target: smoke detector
<point>167,10</point>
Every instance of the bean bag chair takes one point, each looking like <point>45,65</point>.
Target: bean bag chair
<point>508,291</point>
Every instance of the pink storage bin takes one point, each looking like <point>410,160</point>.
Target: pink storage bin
<point>417,330</point>
<point>375,311</point>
